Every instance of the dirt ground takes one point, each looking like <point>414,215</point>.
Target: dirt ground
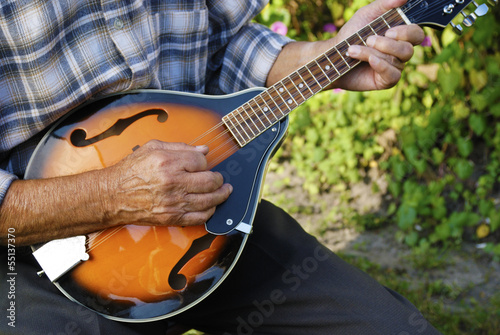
<point>469,271</point>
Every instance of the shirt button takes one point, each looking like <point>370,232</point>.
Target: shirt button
<point>118,24</point>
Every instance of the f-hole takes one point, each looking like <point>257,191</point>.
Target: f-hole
<point>79,136</point>
<point>178,281</point>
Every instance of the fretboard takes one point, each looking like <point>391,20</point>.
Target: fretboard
<point>257,115</point>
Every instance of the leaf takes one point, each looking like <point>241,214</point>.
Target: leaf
<point>437,156</point>
<point>448,37</point>
<point>406,216</point>
<point>449,80</point>
<point>463,168</point>
<point>464,146</point>
<point>478,79</point>
<point>477,124</point>
<point>460,110</point>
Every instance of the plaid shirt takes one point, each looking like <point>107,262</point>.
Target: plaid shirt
<point>54,55</point>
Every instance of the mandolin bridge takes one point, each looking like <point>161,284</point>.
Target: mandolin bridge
<point>59,256</point>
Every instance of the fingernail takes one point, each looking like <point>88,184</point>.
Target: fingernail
<point>391,34</point>
<point>354,50</point>
<point>370,41</point>
<point>201,147</point>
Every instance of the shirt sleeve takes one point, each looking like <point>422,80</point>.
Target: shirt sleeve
<point>247,59</point>
<point>5,180</point>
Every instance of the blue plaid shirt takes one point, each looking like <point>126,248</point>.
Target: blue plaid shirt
<point>54,55</point>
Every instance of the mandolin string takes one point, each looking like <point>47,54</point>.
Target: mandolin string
<point>217,159</point>
<point>90,241</point>
<point>92,244</point>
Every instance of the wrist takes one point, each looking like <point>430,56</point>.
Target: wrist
<point>105,190</point>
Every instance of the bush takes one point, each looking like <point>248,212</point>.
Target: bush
<point>435,136</point>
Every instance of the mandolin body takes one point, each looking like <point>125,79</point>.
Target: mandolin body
<point>143,273</point>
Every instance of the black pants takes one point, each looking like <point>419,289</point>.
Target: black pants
<point>285,283</point>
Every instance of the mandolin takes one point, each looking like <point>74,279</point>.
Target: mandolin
<point>143,273</point>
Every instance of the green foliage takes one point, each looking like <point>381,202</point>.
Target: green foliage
<point>435,136</point>
<point>469,317</point>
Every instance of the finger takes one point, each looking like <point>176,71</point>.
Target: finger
<point>205,201</point>
<point>179,146</point>
<point>399,49</point>
<point>388,74</point>
<point>196,218</point>
<point>365,53</point>
<point>203,182</point>
<point>408,33</point>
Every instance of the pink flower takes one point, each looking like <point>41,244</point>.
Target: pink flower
<point>426,42</point>
<point>279,27</point>
<point>329,28</point>
<point>338,90</point>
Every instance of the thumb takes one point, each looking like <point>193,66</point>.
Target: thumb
<point>177,146</point>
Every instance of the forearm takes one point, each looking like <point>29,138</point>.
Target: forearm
<point>46,209</point>
<point>293,56</point>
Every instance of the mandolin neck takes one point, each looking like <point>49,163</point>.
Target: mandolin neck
<point>257,115</point>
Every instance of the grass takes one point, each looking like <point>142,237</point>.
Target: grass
<point>464,316</point>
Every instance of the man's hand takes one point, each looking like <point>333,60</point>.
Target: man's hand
<point>384,56</point>
<point>165,184</point>
<point>158,184</point>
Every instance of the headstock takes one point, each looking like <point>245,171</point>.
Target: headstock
<point>438,14</point>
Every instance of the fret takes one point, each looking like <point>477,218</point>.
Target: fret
<point>291,98</point>
<point>263,108</point>
<point>292,89</point>
<point>366,32</point>
<point>287,96</point>
<point>361,38</point>
<point>355,40</point>
<point>309,79</point>
<point>241,124</point>
<point>338,52</point>
<point>260,118</point>
<point>395,17</point>
<point>326,66</point>
<point>314,77</point>
<point>334,67</point>
<point>281,91</point>
<point>374,32</point>
<point>253,117</point>
<point>319,75</point>
<point>268,103</point>
<point>252,122</point>
<point>276,94</point>
<point>269,108</point>
<point>336,59</point>
<point>403,16</point>
<point>388,25</point>
<point>295,74</point>
<point>307,86</point>
<point>379,28</point>
<point>265,115</point>
<point>234,130</point>
<point>319,66</point>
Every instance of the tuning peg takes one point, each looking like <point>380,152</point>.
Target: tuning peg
<point>457,28</point>
<point>468,19</point>
<point>493,2</point>
<point>482,10</point>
